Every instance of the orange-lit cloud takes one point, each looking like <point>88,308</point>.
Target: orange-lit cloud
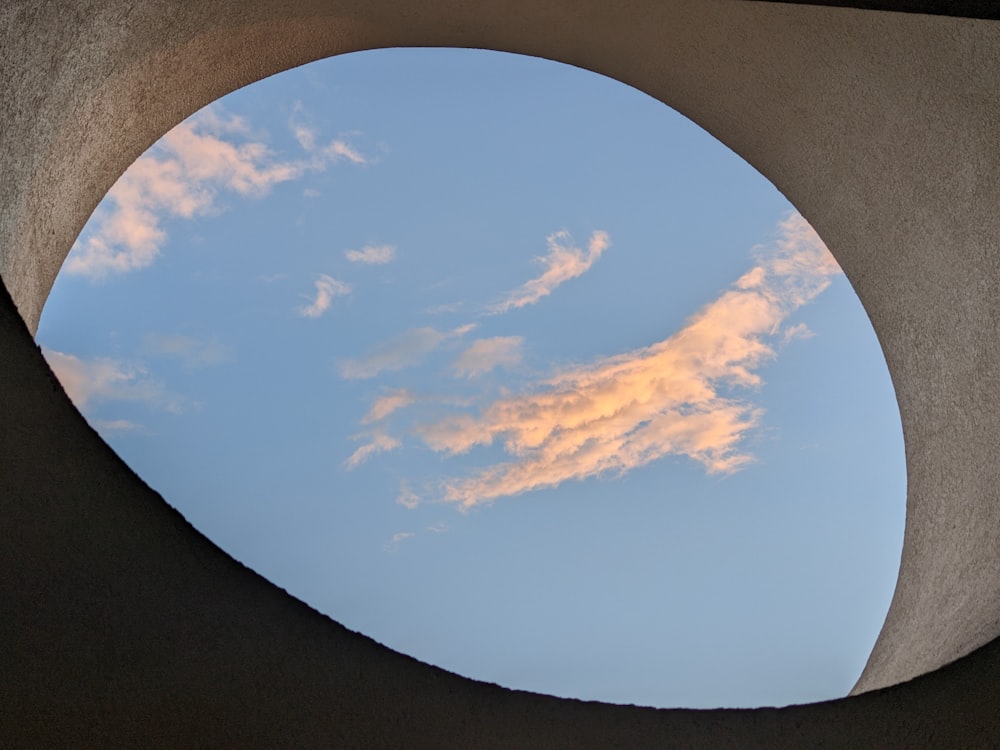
<point>674,397</point>
<point>181,177</point>
<point>372,254</point>
<point>562,263</point>
<point>400,352</point>
<point>484,355</point>
<point>327,288</point>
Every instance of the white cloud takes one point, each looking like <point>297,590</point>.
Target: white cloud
<point>372,254</point>
<point>440,527</point>
<point>562,263</point>
<point>670,398</point>
<point>484,355</point>
<point>400,352</point>
<point>181,177</point>
<point>327,289</point>
<point>104,379</point>
<point>380,443</point>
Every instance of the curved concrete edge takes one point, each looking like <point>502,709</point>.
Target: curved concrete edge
<point>881,128</point>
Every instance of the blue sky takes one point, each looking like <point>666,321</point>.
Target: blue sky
<point>506,365</point>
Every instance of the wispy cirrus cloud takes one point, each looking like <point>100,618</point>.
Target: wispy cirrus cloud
<point>193,353</point>
<point>372,254</point>
<point>116,425</point>
<point>674,398</point>
<point>181,176</point>
<point>387,404</point>
<point>379,443</point>
<point>563,262</point>
<point>101,379</point>
<point>484,355</point>
<point>327,289</point>
<point>401,536</point>
<point>309,139</point>
<point>400,352</point>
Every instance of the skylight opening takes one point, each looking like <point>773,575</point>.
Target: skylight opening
<point>506,365</point>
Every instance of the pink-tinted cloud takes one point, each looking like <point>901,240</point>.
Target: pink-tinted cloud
<point>372,254</point>
<point>563,262</point>
<point>380,443</point>
<point>400,352</point>
<point>800,331</point>
<point>673,398</point>
<point>327,288</point>
<point>89,381</point>
<point>116,425</point>
<point>387,404</point>
<point>181,177</point>
<point>407,497</point>
<point>484,355</point>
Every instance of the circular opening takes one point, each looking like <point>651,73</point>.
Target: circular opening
<point>506,365</point>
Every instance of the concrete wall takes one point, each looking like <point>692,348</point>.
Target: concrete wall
<point>122,625</point>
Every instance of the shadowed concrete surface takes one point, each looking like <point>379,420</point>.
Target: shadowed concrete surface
<point>122,625</point>
<point>961,8</point>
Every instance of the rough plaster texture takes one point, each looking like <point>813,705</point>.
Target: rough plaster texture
<point>121,625</point>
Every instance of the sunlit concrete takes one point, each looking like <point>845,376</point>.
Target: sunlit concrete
<point>121,625</point>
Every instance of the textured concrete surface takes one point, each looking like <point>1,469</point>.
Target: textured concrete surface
<point>121,625</point>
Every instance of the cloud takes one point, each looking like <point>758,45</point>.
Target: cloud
<point>799,331</point>
<point>327,288</point>
<point>372,254</point>
<point>193,353</point>
<point>387,404</point>
<point>451,307</point>
<point>440,527</point>
<point>398,537</point>
<point>308,138</point>
<point>181,177</point>
<point>400,352</point>
<point>486,354</point>
<point>104,379</point>
<point>673,398</point>
<point>116,425</point>
<point>380,443</point>
<point>407,497</point>
<point>562,263</point>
